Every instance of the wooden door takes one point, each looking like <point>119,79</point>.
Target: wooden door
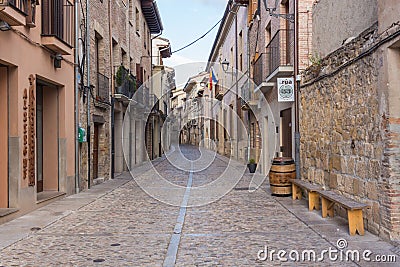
<point>96,151</point>
<point>286,134</point>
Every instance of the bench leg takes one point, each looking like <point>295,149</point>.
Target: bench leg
<point>327,208</point>
<point>313,201</point>
<point>296,192</point>
<point>356,222</point>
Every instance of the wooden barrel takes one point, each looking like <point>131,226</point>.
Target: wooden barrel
<point>282,170</point>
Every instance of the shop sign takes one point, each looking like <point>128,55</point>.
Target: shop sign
<point>285,89</point>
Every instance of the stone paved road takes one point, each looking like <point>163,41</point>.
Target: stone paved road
<point>127,227</point>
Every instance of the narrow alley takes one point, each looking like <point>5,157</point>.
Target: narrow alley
<point>118,224</point>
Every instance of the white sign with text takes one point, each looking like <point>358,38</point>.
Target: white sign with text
<point>285,89</point>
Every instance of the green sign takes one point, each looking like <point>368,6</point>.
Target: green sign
<point>81,135</point>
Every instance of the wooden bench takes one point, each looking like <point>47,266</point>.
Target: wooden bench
<point>313,195</point>
<point>354,210</point>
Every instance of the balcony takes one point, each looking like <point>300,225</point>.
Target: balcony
<point>103,87</point>
<point>14,12</point>
<point>57,25</point>
<point>276,62</point>
<point>246,98</point>
<point>126,84</point>
<point>260,71</point>
<point>219,92</point>
<point>281,55</point>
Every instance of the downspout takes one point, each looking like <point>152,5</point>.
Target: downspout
<point>112,90</point>
<point>151,80</point>
<point>248,88</point>
<point>297,87</point>
<point>237,86</point>
<point>76,9</point>
<point>87,49</point>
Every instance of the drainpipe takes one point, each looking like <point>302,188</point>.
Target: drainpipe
<point>112,90</point>
<point>237,86</point>
<point>297,87</point>
<point>87,49</point>
<point>248,88</point>
<point>76,9</point>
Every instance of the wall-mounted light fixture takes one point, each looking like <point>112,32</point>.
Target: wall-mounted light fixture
<point>4,26</point>
<point>225,65</point>
<point>57,61</point>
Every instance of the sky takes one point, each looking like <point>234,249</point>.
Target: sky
<point>184,21</point>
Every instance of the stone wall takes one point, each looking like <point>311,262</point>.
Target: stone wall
<point>346,144</point>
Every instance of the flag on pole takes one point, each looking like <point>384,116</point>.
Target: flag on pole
<point>213,79</point>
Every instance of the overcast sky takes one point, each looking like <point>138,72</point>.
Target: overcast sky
<point>186,20</point>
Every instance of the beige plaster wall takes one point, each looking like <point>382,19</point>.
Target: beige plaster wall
<point>335,21</point>
<point>3,139</point>
<point>388,12</point>
<point>25,55</point>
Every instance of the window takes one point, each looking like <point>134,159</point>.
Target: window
<point>57,19</point>
<point>97,51</point>
<point>267,35</point>
<point>240,43</point>
<point>137,21</point>
<point>124,59</point>
<point>144,37</point>
<point>115,52</point>
<point>224,126</point>
<point>231,60</point>
<point>131,14</point>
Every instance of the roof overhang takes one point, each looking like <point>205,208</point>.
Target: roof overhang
<point>189,85</point>
<point>166,51</point>
<point>152,16</point>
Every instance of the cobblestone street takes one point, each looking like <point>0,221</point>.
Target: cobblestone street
<point>118,224</point>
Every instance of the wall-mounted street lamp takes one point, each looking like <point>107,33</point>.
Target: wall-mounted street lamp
<point>57,61</point>
<point>225,65</point>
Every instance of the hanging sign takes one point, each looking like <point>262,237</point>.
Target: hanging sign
<point>285,89</point>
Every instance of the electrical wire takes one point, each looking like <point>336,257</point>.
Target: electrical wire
<point>198,39</point>
<point>360,56</point>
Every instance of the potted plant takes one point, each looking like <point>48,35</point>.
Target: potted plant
<point>316,66</point>
<point>252,165</point>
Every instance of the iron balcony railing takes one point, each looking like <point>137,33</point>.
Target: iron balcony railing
<point>57,20</point>
<point>103,87</point>
<point>279,52</point>
<point>126,83</point>
<point>260,68</point>
<point>20,5</point>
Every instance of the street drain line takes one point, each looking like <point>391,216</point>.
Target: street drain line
<point>173,246</point>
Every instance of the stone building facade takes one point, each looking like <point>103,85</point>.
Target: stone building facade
<point>350,132</point>
<point>120,63</point>
<point>230,46</point>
